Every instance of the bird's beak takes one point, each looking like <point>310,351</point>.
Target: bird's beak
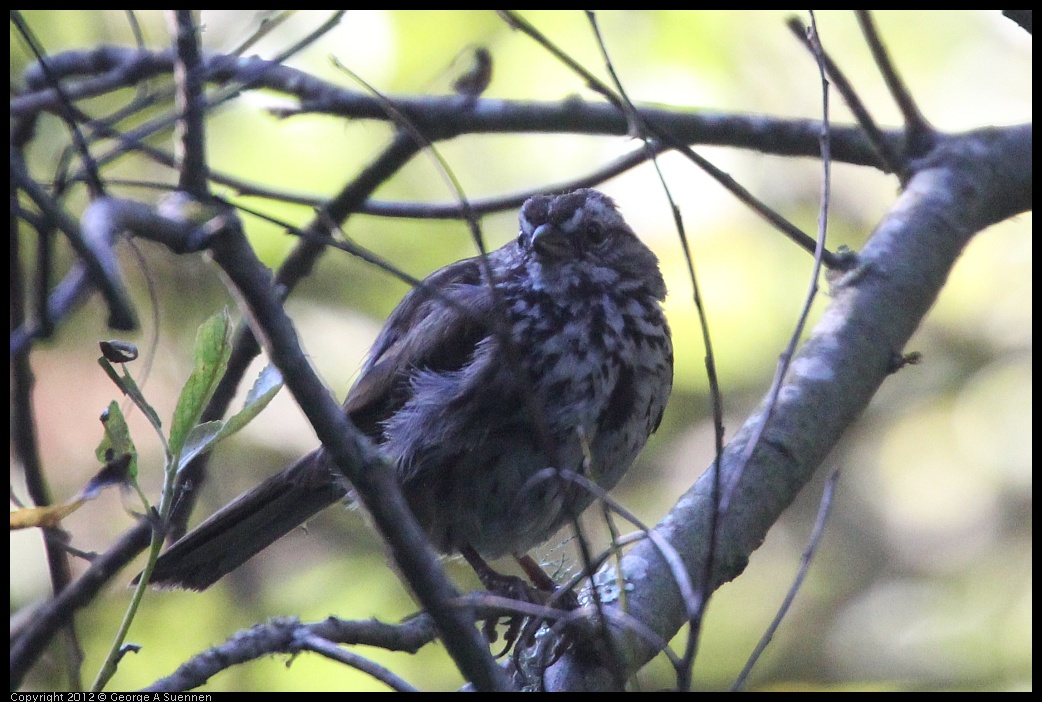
<point>548,240</point>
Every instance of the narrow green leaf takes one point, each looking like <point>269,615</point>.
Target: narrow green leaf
<point>267,385</point>
<point>126,384</point>
<point>112,374</point>
<point>201,439</point>
<point>212,349</point>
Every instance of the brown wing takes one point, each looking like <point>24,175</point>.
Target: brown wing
<point>435,327</point>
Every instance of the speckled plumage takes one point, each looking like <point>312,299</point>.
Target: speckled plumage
<point>472,390</point>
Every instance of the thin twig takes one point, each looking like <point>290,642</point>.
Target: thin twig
<point>787,228</point>
<point>824,507</point>
<point>69,114</point>
<point>797,332</point>
<point>920,135</point>
<point>890,160</point>
<point>311,642</point>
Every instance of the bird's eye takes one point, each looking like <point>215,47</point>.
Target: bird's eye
<point>521,239</point>
<point>595,233</point>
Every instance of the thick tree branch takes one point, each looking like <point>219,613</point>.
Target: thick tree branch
<point>971,182</point>
<point>444,117</point>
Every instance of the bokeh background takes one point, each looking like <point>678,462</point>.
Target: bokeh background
<point>923,578</point>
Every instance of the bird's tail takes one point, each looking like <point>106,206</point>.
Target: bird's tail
<point>249,524</point>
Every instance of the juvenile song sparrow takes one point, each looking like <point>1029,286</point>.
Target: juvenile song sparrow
<point>473,387</point>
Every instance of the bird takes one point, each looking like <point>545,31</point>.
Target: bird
<point>550,352</point>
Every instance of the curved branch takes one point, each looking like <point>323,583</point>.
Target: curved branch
<point>971,182</point>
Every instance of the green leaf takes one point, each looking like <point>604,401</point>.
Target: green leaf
<point>201,439</point>
<point>267,385</point>
<point>212,349</point>
<point>117,441</point>
<point>126,384</point>
<point>204,437</point>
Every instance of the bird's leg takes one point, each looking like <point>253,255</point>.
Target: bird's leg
<point>507,585</point>
<point>535,573</point>
<point>543,591</point>
<point>558,598</point>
